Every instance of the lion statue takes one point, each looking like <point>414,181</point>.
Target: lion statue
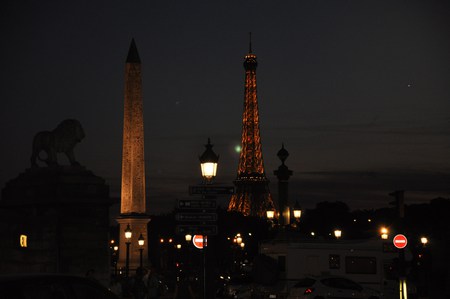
<point>61,140</point>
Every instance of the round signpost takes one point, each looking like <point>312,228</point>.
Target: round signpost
<point>197,240</point>
<point>400,241</point>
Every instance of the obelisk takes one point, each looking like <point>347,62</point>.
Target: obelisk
<point>133,203</point>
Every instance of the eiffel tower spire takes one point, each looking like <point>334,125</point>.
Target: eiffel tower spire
<point>252,197</point>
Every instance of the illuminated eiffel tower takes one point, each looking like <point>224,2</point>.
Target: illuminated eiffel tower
<point>252,197</point>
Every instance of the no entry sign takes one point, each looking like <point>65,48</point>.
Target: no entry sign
<point>199,241</point>
<point>400,241</point>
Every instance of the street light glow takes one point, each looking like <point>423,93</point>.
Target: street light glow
<point>337,233</point>
<point>128,232</point>
<point>141,240</point>
<point>424,240</point>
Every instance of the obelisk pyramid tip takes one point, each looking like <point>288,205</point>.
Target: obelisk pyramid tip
<point>133,55</point>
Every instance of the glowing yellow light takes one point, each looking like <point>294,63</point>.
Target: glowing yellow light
<point>23,241</point>
<point>237,148</point>
<point>128,232</point>
<point>270,214</point>
<point>209,169</point>
<point>424,240</point>
<point>337,233</point>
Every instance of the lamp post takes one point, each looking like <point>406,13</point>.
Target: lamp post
<point>141,242</point>
<point>208,166</point>
<point>384,233</point>
<point>128,235</point>
<point>115,257</point>
<point>208,163</point>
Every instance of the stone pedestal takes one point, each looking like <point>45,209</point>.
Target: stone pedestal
<point>64,213</point>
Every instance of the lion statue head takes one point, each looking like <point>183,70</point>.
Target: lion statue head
<point>63,139</point>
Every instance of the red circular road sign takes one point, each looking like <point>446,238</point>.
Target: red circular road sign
<point>400,241</point>
<point>197,240</point>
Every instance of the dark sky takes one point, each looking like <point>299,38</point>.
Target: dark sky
<point>357,90</point>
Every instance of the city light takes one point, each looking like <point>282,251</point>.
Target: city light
<point>338,233</point>
<point>424,241</point>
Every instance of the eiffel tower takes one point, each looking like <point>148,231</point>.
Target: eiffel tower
<point>252,197</point>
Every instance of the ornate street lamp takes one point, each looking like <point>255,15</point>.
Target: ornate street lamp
<point>141,243</point>
<point>208,163</point>
<point>297,210</point>
<point>128,235</point>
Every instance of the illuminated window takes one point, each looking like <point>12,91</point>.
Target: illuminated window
<point>23,241</point>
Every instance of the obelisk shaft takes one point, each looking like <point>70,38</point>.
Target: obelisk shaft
<point>133,202</point>
<point>133,163</point>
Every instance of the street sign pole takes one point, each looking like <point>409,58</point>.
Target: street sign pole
<point>205,244</point>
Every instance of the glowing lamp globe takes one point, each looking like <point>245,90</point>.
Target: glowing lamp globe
<point>141,240</point>
<point>297,211</point>
<point>270,214</point>
<point>128,232</point>
<point>208,162</point>
<point>337,233</point>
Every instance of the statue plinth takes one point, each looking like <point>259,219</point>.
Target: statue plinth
<point>55,184</point>
<point>64,213</point>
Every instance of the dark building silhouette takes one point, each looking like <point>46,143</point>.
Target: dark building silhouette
<point>55,220</point>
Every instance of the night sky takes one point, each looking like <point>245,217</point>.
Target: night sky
<point>358,91</point>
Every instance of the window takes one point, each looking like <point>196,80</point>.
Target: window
<point>360,265</point>
<point>334,261</point>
